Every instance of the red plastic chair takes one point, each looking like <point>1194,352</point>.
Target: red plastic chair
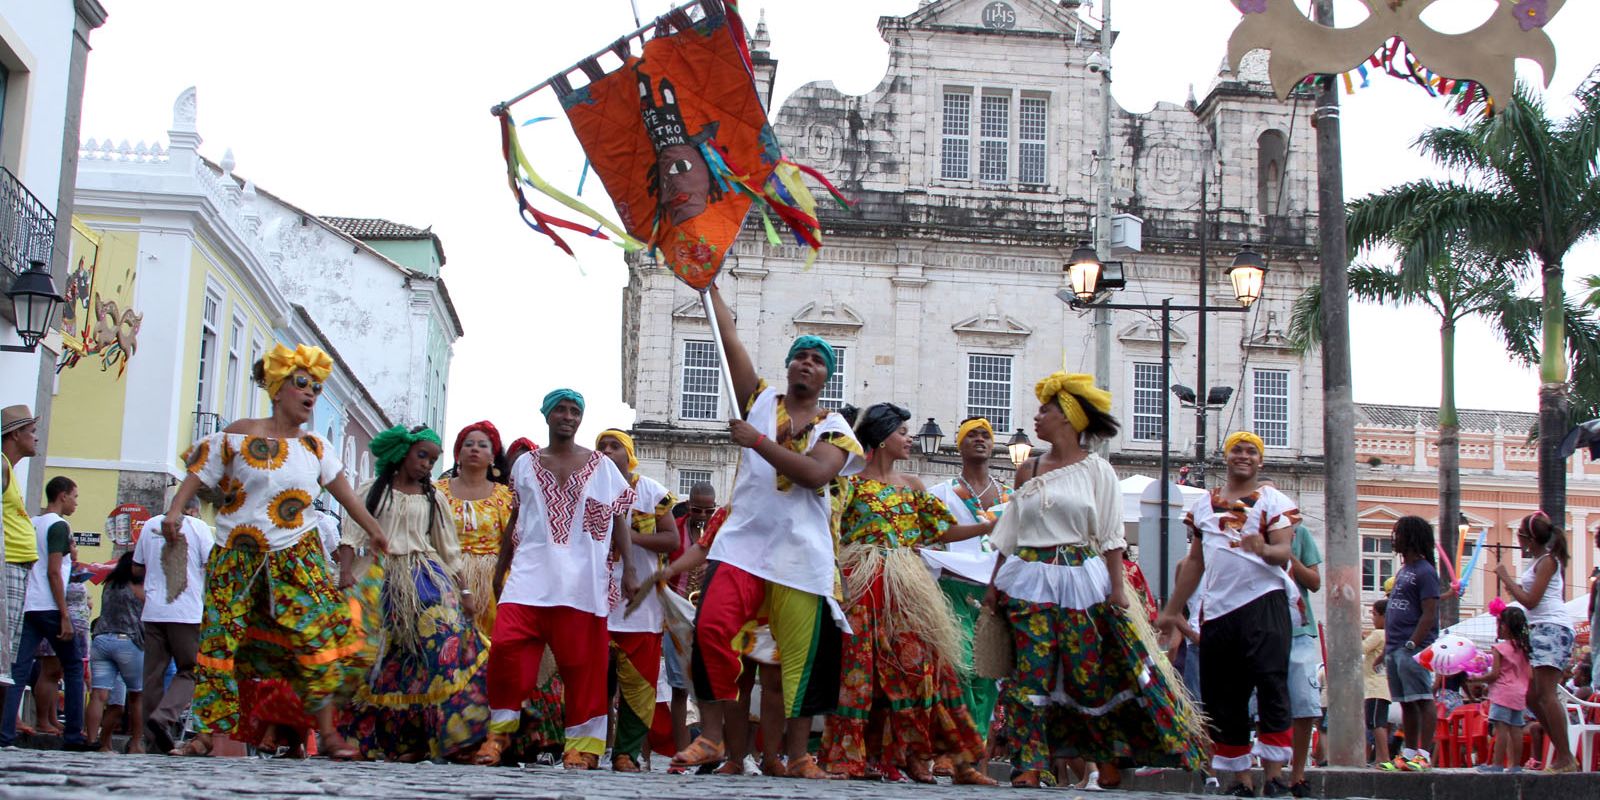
<point>1470,731</point>
<point>1444,741</point>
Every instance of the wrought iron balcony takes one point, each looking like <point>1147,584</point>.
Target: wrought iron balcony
<point>27,229</point>
<point>207,423</point>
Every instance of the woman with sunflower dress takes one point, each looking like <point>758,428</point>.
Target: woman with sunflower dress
<point>482,507</point>
<point>269,580</point>
<point>900,702</point>
<point>427,697</point>
<point>1089,681</point>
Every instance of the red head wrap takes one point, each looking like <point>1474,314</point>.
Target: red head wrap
<point>485,427</point>
<point>525,442</point>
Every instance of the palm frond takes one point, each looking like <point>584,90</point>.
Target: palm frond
<point>1305,320</point>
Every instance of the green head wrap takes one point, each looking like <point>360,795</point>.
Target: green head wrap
<point>551,399</point>
<point>390,447</point>
<point>817,343</point>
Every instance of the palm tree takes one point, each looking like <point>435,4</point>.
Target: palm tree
<point>1528,186</point>
<point>1458,284</point>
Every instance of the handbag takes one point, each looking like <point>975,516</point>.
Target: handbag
<point>994,649</point>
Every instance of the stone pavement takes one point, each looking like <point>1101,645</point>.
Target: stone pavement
<point>56,775</point>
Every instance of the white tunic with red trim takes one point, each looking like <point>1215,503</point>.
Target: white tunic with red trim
<point>563,555</point>
<point>1235,576</point>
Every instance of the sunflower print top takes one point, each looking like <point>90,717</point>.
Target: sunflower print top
<point>875,513</point>
<point>266,485</point>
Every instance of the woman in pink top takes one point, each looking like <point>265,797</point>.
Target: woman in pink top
<point>1508,691</point>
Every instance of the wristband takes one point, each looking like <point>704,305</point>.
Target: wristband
<point>760,437</point>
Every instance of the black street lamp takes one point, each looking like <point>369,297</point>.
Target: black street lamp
<point>1248,275</point>
<point>929,437</point>
<point>34,302</point>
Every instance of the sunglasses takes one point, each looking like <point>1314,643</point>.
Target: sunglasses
<point>305,382</point>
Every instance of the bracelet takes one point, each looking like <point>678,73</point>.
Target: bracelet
<point>760,437</point>
<point>466,593</point>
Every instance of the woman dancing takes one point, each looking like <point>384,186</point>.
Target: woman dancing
<point>268,579</point>
<point>1087,682</point>
<point>900,703</point>
<point>427,696</point>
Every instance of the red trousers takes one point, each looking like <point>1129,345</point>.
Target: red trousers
<point>580,643</point>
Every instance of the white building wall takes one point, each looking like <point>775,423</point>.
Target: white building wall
<point>927,271</point>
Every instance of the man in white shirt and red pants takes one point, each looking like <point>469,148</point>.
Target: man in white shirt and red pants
<point>572,526</point>
<point>773,559</point>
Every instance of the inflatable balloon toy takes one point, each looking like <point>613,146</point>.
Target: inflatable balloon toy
<point>1450,655</point>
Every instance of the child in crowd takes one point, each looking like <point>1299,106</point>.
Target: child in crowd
<point>1376,687</point>
<point>1508,691</point>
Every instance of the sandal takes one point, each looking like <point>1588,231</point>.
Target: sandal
<point>337,748</point>
<point>773,768</point>
<point>489,752</point>
<point>806,767</point>
<point>944,766</point>
<point>624,763</point>
<point>198,747</point>
<point>729,767</point>
<point>968,775</point>
<point>700,751</point>
<point>574,759</point>
<point>918,772</point>
<point>1026,780</point>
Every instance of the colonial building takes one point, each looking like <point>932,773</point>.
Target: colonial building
<point>183,276</point>
<point>44,52</point>
<point>973,164</point>
<point>1397,464</point>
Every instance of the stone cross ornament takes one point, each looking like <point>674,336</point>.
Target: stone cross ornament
<point>1486,54</point>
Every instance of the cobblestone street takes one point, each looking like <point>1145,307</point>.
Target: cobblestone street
<point>54,775</point>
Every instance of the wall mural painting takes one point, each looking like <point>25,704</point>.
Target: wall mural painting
<point>97,319</point>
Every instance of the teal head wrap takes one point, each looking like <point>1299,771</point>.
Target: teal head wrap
<point>551,399</point>
<point>390,447</point>
<point>818,344</point>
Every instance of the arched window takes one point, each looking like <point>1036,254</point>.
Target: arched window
<point>1272,151</point>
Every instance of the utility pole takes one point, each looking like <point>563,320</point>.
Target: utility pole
<point>1347,738</point>
<point>1106,180</point>
<point>1197,473</point>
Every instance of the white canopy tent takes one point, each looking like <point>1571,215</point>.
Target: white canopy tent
<point>1480,630</point>
<point>1133,491</point>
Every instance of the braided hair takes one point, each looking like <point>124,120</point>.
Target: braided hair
<point>1515,623</point>
<point>382,489</point>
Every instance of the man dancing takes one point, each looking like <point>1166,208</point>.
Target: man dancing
<point>974,498</point>
<point>573,525</point>
<point>636,634</point>
<point>1242,542</point>
<point>774,557</point>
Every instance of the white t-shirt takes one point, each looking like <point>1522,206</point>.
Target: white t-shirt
<point>1234,577</point>
<point>776,530</point>
<point>39,596</point>
<point>188,607</point>
<point>563,551</point>
<point>649,617</point>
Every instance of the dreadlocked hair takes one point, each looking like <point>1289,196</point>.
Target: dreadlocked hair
<point>1414,535</point>
<point>1514,621</point>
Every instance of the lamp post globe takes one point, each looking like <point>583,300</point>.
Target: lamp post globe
<point>1083,272</point>
<point>1020,447</point>
<point>1248,275</point>
<point>34,302</point>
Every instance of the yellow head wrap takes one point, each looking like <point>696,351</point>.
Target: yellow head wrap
<point>1070,391</point>
<point>1244,436</point>
<point>281,362</point>
<point>627,446</point>
<point>971,425</point>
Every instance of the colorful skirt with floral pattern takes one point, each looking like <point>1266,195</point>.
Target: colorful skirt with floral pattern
<point>430,701</point>
<point>899,702</point>
<point>276,615</point>
<point>1086,683</point>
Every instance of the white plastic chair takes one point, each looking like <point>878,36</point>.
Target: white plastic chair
<point>1580,732</point>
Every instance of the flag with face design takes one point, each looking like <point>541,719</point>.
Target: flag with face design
<point>679,137</point>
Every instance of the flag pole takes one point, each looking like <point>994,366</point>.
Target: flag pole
<point>722,354</point>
